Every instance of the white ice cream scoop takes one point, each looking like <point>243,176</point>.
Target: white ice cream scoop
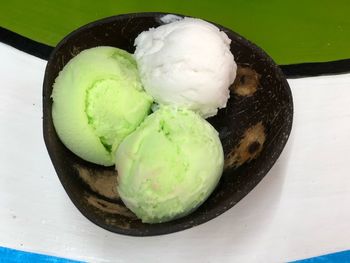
<point>187,63</point>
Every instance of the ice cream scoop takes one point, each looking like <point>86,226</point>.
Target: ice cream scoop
<point>98,100</point>
<point>169,165</point>
<point>187,63</point>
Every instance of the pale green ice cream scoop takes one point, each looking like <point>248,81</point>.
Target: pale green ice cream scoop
<point>169,165</point>
<point>98,100</point>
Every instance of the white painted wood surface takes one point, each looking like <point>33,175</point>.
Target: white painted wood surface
<point>301,208</point>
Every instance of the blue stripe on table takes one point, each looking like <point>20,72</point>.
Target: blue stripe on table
<point>8,255</point>
<point>341,257</point>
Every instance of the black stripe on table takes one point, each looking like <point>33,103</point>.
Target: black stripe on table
<point>291,71</point>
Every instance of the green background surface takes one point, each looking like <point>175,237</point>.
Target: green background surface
<point>291,31</point>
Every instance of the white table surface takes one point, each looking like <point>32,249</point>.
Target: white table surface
<point>299,210</point>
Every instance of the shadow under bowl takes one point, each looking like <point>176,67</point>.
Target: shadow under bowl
<point>253,128</point>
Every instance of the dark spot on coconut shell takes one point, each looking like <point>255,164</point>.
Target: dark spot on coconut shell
<point>75,51</point>
<point>246,82</point>
<point>248,147</point>
<point>253,147</point>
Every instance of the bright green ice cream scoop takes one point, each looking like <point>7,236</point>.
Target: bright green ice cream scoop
<point>98,100</point>
<point>169,165</point>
